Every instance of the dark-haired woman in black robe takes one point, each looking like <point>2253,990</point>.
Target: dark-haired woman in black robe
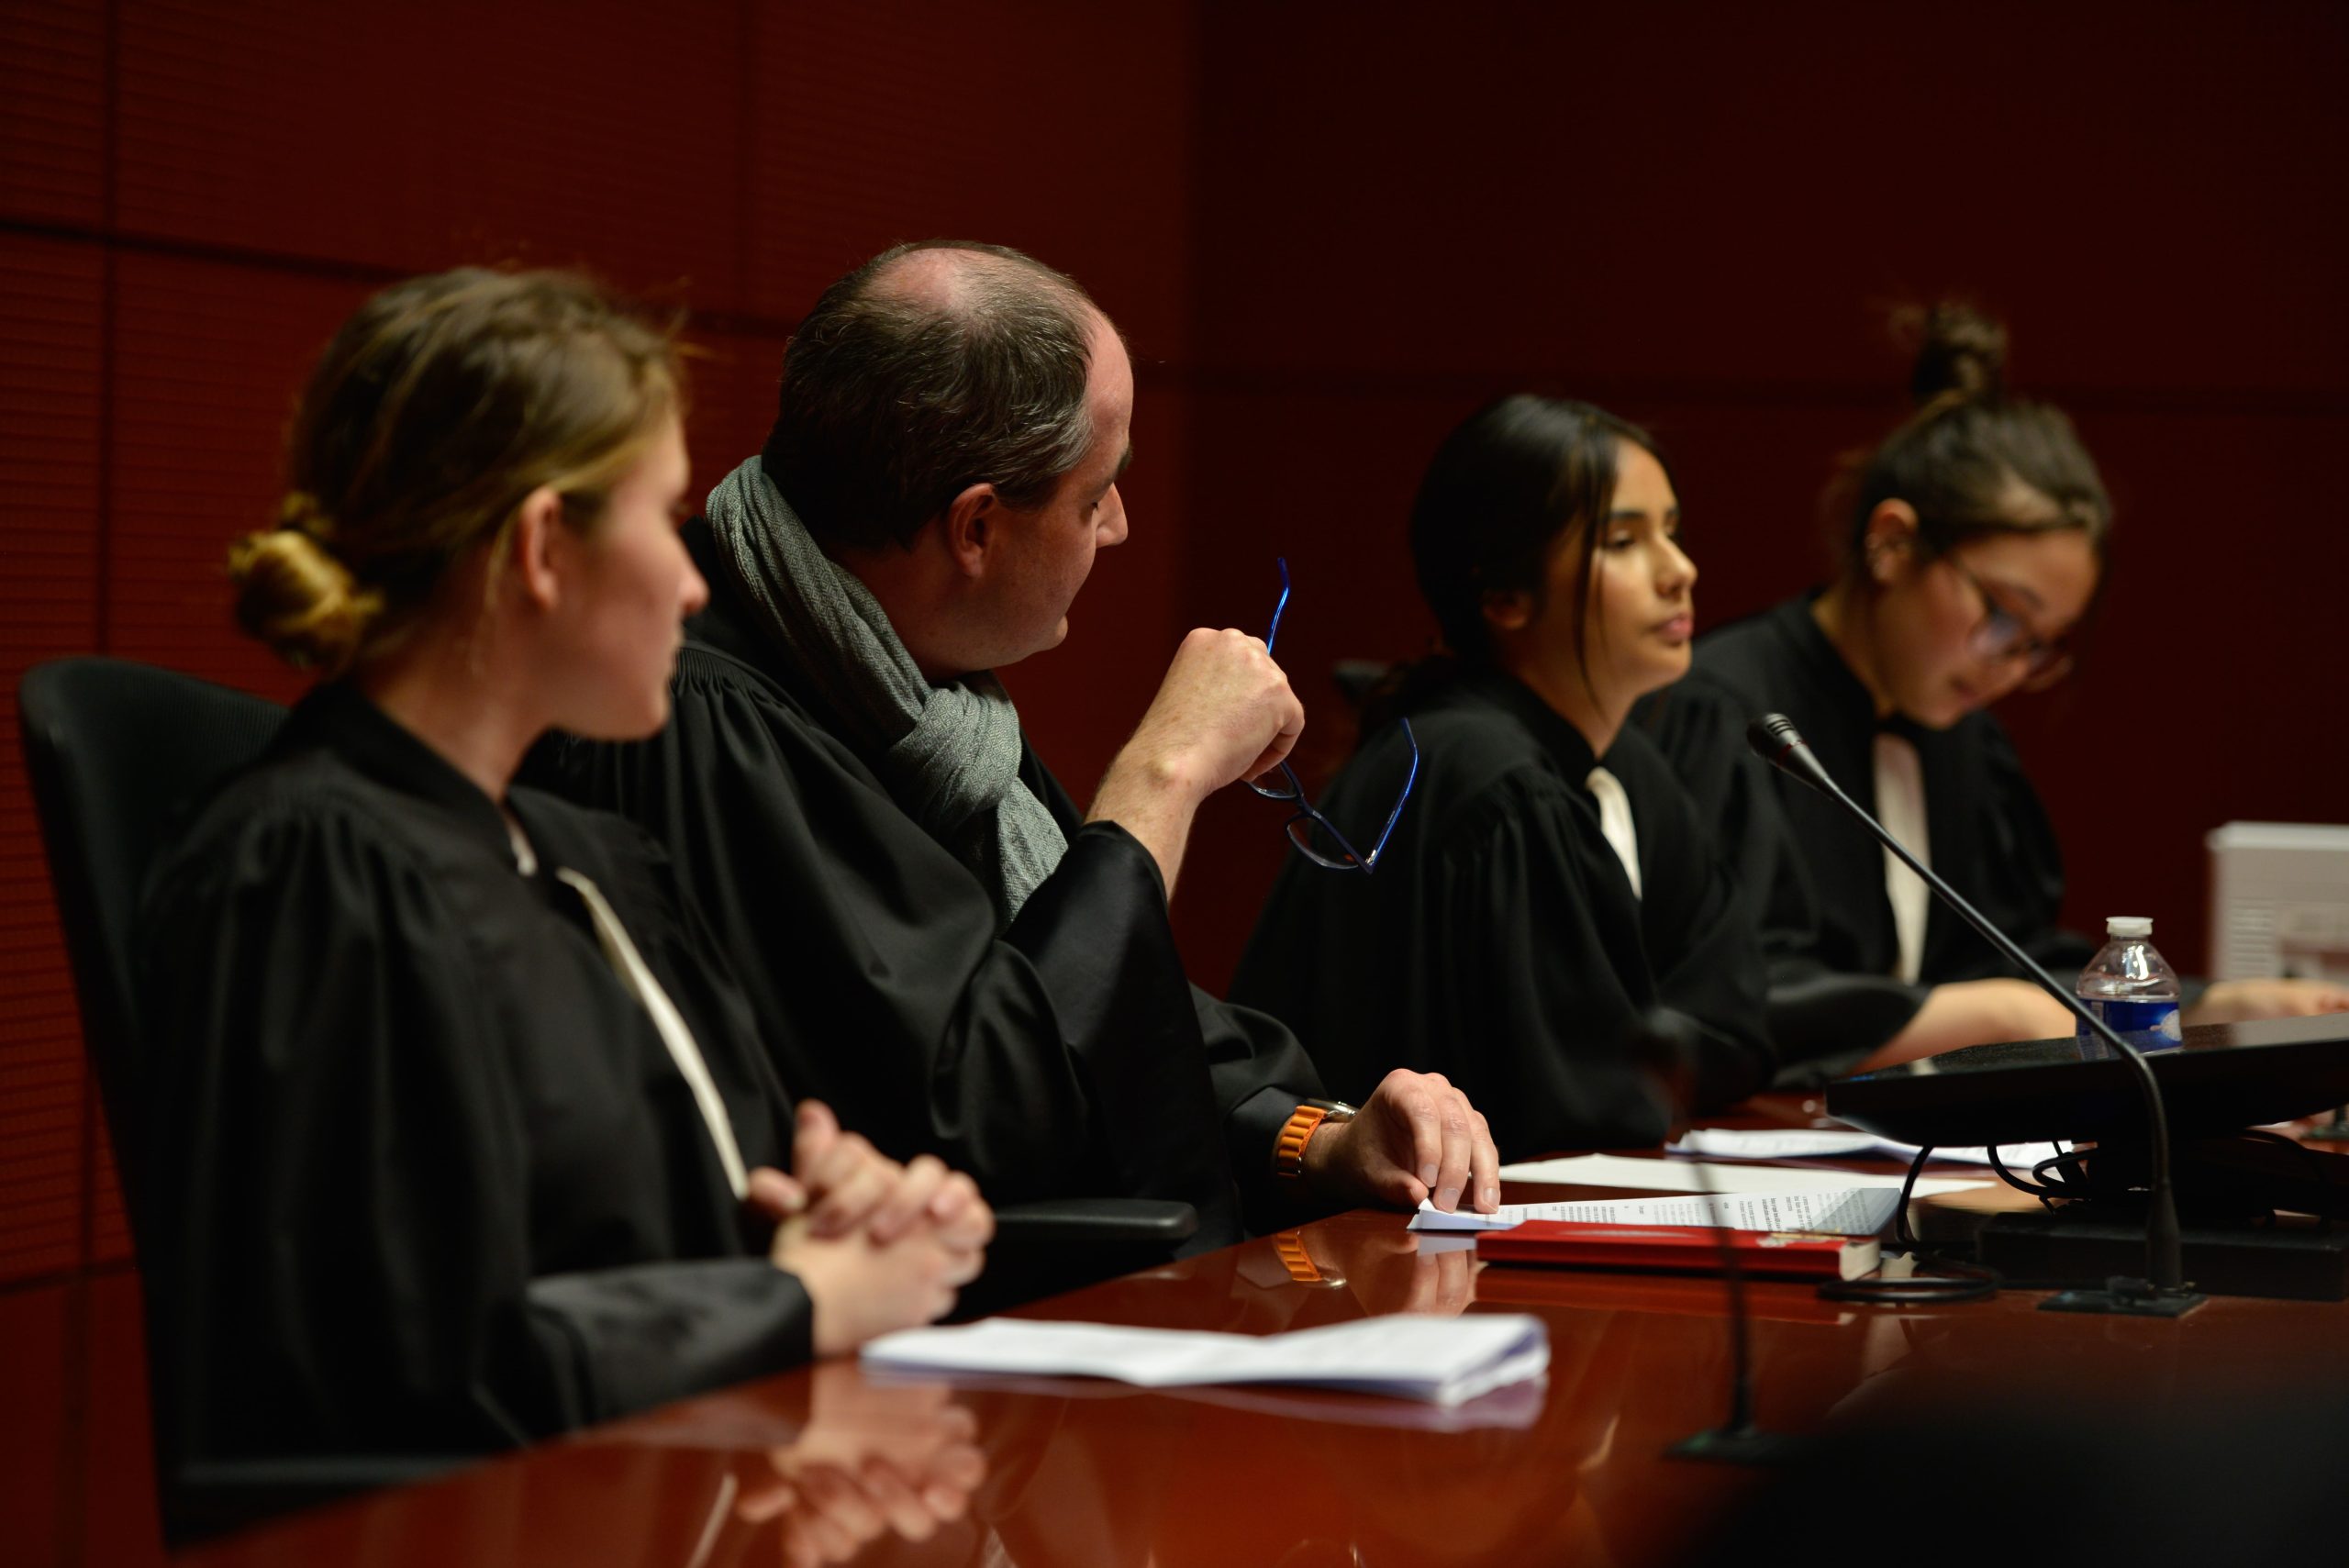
<point>1978,541</point>
<point>1549,887</point>
<point>461,1133</point>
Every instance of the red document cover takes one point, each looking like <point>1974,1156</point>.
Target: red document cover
<point>1676,1249</point>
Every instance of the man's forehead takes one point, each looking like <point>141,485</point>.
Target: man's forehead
<point>1113,366</point>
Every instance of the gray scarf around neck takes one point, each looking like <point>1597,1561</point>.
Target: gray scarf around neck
<point>950,755</point>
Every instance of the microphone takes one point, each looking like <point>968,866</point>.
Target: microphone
<point>1663,1045</point>
<point>1776,741</point>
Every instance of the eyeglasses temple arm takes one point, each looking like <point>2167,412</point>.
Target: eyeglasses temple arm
<point>1281,608</point>
<point>1395,816</point>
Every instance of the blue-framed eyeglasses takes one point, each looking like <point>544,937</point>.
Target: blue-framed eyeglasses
<point>1304,825</point>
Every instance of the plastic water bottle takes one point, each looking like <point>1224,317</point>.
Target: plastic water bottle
<point>2130,987</point>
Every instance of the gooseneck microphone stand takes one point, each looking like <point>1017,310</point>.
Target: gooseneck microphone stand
<point>2164,1292</point>
<point>1662,1047</point>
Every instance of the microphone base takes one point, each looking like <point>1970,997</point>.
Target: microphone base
<point>2283,1259</point>
<point>1749,1445</point>
<point>2125,1298</point>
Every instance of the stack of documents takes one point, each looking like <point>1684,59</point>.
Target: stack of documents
<point>1445,1361</point>
<point>1700,1176</point>
<point>1848,1211</point>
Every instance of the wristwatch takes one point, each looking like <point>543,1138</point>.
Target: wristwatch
<point>1298,1262</point>
<point>1289,1149</point>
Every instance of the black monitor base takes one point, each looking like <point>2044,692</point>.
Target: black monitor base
<point>2334,1132</point>
<point>1741,1445</point>
<point>2283,1259</point>
<point>2126,1298</point>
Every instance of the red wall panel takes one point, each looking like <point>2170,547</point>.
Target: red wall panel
<point>50,331</point>
<point>208,359</point>
<point>52,111</point>
<point>1062,129</point>
<point>731,378</point>
<point>1328,231</point>
<point>116,1500</point>
<point>35,1462</point>
<point>417,136</point>
<point>1697,216</point>
<point>194,192</point>
<point>1707,194</point>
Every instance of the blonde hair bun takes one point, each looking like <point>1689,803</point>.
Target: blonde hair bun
<point>293,594</point>
<point>437,409</point>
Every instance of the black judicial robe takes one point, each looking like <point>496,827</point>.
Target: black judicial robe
<point>1067,1056</point>
<point>1814,877</point>
<point>1500,942</point>
<point>428,1178</point>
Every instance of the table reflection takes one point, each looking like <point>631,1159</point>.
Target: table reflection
<point>826,1466</point>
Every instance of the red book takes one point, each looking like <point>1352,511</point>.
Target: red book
<point>1677,1249</point>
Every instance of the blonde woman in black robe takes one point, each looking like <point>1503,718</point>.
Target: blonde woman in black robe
<point>464,1133</point>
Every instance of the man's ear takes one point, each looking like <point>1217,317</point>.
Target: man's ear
<point>968,527</point>
<point>543,542</point>
<point>1508,609</point>
<point>1891,541</point>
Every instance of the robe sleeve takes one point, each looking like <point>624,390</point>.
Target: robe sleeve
<point>1821,1021</point>
<point>342,1252</point>
<point>1259,1070</point>
<point>1261,1075</point>
<point>1058,1058</point>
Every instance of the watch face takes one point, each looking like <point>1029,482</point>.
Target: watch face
<point>1337,1111</point>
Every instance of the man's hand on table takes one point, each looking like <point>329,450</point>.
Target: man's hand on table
<point>1416,1137</point>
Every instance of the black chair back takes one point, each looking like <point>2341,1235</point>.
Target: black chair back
<point>115,753</point>
<point>118,753</point>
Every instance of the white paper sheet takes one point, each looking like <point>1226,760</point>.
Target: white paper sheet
<point>1774,1143</point>
<point>1445,1360</point>
<point>1820,1143</point>
<point>1695,1177</point>
<point>1846,1211</point>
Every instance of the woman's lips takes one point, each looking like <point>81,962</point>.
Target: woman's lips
<point>1679,628</point>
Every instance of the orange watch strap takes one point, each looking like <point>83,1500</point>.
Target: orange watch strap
<point>1289,1247</point>
<point>1288,1150</point>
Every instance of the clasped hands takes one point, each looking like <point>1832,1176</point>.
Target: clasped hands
<point>878,1246</point>
<point>874,1460</point>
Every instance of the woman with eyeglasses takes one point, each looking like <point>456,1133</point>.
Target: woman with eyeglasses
<point>1548,923</point>
<point>1977,546</point>
<point>463,1133</point>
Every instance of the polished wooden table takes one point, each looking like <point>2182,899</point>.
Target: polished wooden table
<point>826,1465</point>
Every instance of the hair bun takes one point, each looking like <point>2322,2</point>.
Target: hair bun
<point>1960,353</point>
<point>293,594</point>
<point>300,512</point>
